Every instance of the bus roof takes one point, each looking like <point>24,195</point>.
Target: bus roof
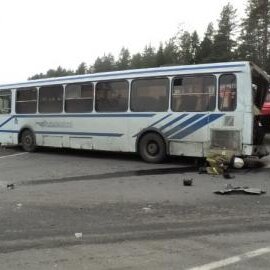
<point>135,73</point>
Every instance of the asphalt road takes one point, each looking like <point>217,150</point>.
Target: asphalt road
<point>81,210</point>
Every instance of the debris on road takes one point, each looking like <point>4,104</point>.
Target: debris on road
<point>19,205</point>
<point>78,235</point>
<point>10,186</point>
<point>229,189</point>
<point>147,209</point>
<point>188,182</point>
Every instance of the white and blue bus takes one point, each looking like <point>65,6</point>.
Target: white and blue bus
<point>177,110</point>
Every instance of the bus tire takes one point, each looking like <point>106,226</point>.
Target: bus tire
<point>152,148</point>
<point>28,141</point>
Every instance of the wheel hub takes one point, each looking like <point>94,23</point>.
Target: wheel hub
<point>152,148</point>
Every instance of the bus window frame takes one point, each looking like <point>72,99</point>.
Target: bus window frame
<point>62,101</point>
<point>151,78</point>
<point>88,98</point>
<point>213,75</point>
<point>9,93</point>
<point>236,92</point>
<point>110,81</point>
<point>24,101</point>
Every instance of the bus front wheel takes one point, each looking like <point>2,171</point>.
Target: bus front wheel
<point>28,141</point>
<point>152,148</point>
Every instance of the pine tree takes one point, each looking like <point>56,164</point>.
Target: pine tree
<point>136,61</point>
<point>149,57</point>
<point>123,61</point>
<point>105,63</point>
<point>224,44</point>
<point>160,59</point>
<point>171,52</point>
<point>185,48</point>
<point>195,44</point>
<point>82,69</point>
<point>255,34</point>
<point>205,49</point>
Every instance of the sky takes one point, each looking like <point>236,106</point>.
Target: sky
<point>37,35</point>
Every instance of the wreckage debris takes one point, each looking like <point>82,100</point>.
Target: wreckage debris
<point>10,186</point>
<point>78,235</point>
<point>229,189</point>
<point>188,182</point>
<point>226,175</point>
<point>147,209</point>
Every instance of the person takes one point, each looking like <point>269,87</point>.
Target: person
<point>219,164</point>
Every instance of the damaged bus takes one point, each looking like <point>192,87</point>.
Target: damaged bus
<point>176,110</point>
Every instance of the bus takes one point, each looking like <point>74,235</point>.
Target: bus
<point>189,110</point>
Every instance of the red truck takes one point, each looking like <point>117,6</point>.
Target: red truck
<point>265,112</point>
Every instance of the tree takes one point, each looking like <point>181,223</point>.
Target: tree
<point>136,61</point>
<point>224,44</point>
<point>185,48</point>
<point>149,57</point>
<point>123,61</point>
<point>160,59</point>
<point>59,72</point>
<point>171,52</point>
<point>195,44</point>
<point>82,69</point>
<point>255,34</point>
<point>105,63</point>
<point>205,49</point>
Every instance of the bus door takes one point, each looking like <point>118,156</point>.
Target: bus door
<point>6,120</point>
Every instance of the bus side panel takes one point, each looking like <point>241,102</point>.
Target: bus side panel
<point>7,132</point>
<point>101,133</point>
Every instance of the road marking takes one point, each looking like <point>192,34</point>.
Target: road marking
<point>13,155</point>
<point>232,260</point>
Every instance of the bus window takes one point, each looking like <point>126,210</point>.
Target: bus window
<point>79,98</point>
<point>227,96</point>
<point>5,102</point>
<point>150,95</point>
<point>194,94</point>
<point>26,100</point>
<point>112,96</point>
<point>51,99</point>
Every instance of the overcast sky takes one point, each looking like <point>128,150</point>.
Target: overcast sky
<point>37,35</point>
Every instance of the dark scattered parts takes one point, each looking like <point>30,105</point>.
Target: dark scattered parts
<point>229,189</point>
<point>10,186</point>
<point>219,164</point>
<point>226,175</point>
<point>187,182</point>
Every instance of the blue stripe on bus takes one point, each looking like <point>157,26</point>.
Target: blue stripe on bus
<point>94,134</point>
<point>64,115</point>
<point>129,115</point>
<point>160,120</point>
<point>184,124</point>
<point>173,121</point>
<point>8,131</point>
<point>203,122</point>
<point>5,122</point>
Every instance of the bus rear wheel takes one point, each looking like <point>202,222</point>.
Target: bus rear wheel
<point>28,141</point>
<point>152,148</point>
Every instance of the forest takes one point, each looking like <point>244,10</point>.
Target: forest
<point>243,39</point>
